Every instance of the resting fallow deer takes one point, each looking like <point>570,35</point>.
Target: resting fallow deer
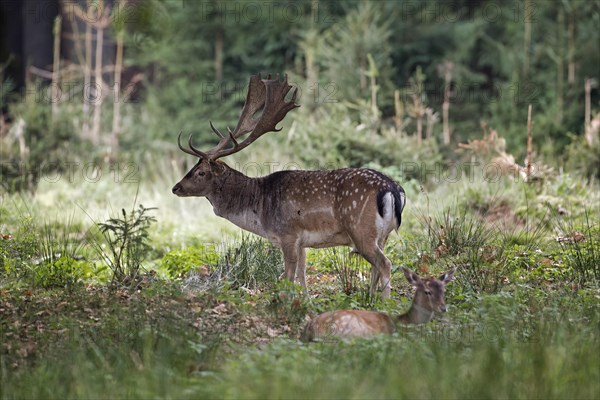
<point>348,324</point>
<point>296,209</point>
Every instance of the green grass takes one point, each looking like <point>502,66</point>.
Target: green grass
<point>522,323</point>
<point>516,345</point>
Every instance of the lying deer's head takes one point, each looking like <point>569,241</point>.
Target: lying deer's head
<point>208,174</point>
<point>430,292</point>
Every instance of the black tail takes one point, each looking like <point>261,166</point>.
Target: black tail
<point>399,200</point>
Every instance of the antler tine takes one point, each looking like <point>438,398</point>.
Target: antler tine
<point>215,130</point>
<point>197,152</point>
<point>232,135</point>
<point>193,152</point>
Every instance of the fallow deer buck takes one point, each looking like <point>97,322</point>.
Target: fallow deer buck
<point>347,324</point>
<point>296,209</point>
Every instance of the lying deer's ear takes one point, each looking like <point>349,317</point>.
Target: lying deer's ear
<point>411,277</point>
<point>447,276</point>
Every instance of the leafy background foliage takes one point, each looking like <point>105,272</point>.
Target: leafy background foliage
<point>171,301</point>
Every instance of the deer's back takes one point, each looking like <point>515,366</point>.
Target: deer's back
<point>334,185</point>
<point>347,324</point>
<point>331,202</point>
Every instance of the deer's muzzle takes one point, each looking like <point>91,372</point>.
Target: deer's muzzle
<point>177,189</point>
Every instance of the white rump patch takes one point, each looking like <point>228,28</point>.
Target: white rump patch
<point>403,201</point>
<point>387,222</point>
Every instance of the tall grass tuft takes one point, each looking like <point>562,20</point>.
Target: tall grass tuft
<point>250,262</point>
<point>60,255</point>
<point>580,248</point>
<point>44,255</point>
<point>353,275</point>
<point>460,239</point>
<point>532,234</point>
<point>455,232</point>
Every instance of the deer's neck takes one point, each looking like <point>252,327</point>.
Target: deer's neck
<point>237,198</point>
<point>415,315</point>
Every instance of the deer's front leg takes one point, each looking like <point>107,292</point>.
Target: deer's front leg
<point>301,268</point>
<point>291,256</point>
<point>294,257</point>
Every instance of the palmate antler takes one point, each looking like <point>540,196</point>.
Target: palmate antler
<point>266,94</point>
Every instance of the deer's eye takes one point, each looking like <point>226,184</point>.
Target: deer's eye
<point>201,173</point>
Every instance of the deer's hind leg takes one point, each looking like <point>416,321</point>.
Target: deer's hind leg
<point>378,277</point>
<point>381,272</point>
<point>381,267</point>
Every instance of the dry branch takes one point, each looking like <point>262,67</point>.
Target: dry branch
<point>56,67</point>
<point>529,142</point>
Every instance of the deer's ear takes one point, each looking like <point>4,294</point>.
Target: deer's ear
<point>216,167</point>
<point>447,276</point>
<point>411,277</point>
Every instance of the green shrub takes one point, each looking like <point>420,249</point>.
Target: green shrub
<point>62,272</point>
<point>126,240</point>
<point>18,249</point>
<point>178,262</point>
<point>583,159</point>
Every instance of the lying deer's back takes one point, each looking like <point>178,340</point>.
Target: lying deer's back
<point>348,324</point>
